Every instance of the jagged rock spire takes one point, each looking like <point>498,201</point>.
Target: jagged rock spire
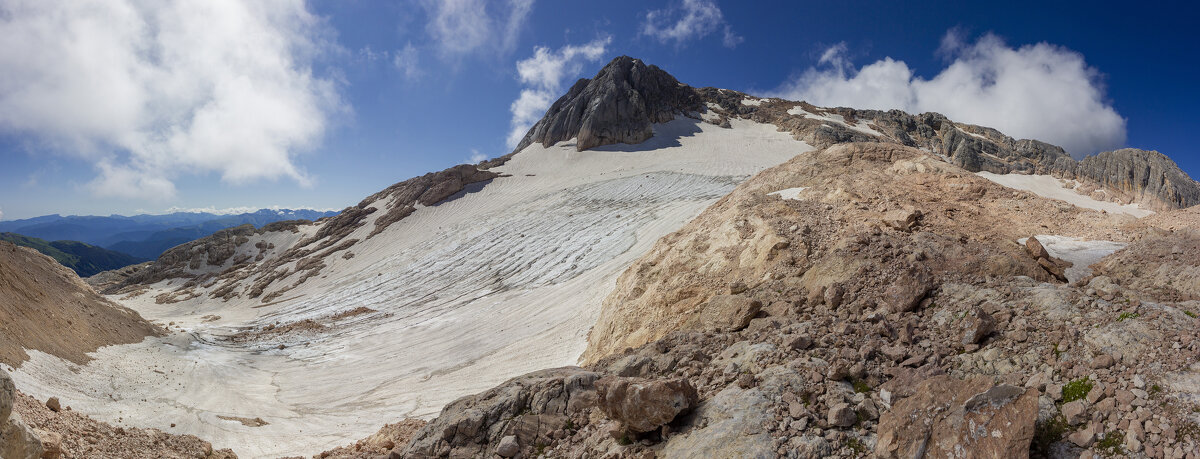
<point>619,105</point>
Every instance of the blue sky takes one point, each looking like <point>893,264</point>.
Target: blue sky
<point>321,103</point>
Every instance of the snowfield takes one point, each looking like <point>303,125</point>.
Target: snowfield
<point>1048,186</point>
<point>505,278</point>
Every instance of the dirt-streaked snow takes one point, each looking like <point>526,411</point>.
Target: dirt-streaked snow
<point>1079,252</point>
<point>789,193</point>
<point>861,126</point>
<point>498,281</point>
<point>1048,186</point>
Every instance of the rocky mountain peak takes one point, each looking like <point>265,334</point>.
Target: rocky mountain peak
<point>619,105</point>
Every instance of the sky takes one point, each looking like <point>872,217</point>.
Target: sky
<point>147,106</point>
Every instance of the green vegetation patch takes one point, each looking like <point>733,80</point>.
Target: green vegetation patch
<point>1076,390</point>
<point>1110,444</point>
<point>1047,433</point>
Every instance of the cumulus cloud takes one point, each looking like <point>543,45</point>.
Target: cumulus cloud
<point>476,157</point>
<point>691,19</point>
<point>544,75</point>
<point>460,27</point>
<point>1039,91</point>
<point>151,90</point>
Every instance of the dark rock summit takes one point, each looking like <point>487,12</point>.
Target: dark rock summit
<point>620,105</point>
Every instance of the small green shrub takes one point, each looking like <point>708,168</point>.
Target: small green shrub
<point>1189,313</point>
<point>1127,315</point>
<point>1076,390</point>
<point>1046,433</point>
<point>861,386</point>
<point>1110,444</point>
<point>856,445</point>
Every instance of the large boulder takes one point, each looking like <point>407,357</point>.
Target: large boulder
<point>948,417</point>
<point>729,312</point>
<point>644,405</point>
<point>907,292</point>
<point>17,440</point>
<point>527,408</point>
<point>7,395</point>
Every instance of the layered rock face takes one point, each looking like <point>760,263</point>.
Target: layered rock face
<point>620,104</point>
<point>45,306</point>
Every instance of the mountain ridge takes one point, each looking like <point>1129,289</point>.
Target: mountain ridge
<point>84,259</point>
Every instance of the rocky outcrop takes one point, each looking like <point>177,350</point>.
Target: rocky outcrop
<point>946,417</point>
<point>533,408</point>
<point>819,253</point>
<point>643,405</point>
<point>1148,178</point>
<point>45,306</point>
<point>620,104</point>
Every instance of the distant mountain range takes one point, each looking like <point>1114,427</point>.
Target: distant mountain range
<point>84,259</point>
<point>79,242</point>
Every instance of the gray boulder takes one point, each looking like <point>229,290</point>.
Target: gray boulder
<point>528,408</point>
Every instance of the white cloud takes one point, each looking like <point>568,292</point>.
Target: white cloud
<point>691,19</point>
<point>543,75</point>
<point>233,210</point>
<point>151,90</point>
<point>476,157</point>
<point>405,59</point>
<point>460,27</point>
<point>1040,91</point>
<point>1,215</point>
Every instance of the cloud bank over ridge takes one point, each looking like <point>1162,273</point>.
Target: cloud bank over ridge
<point>1039,91</point>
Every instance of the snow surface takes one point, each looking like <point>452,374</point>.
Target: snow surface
<point>861,126</point>
<point>790,193</point>
<point>485,286</point>
<point>1048,186</point>
<point>1077,251</point>
<point>972,134</point>
<point>753,102</point>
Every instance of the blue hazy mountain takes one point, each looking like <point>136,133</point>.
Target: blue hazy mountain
<point>146,236</point>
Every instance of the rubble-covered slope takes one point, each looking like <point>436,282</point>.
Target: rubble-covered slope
<point>44,306</point>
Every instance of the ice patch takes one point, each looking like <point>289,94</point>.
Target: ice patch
<point>1048,186</point>
<point>790,193</point>
<point>1077,251</point>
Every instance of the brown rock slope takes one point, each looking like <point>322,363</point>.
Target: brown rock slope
<point>886,310</point>
<point>877,226</point>
<point>45,306</point>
